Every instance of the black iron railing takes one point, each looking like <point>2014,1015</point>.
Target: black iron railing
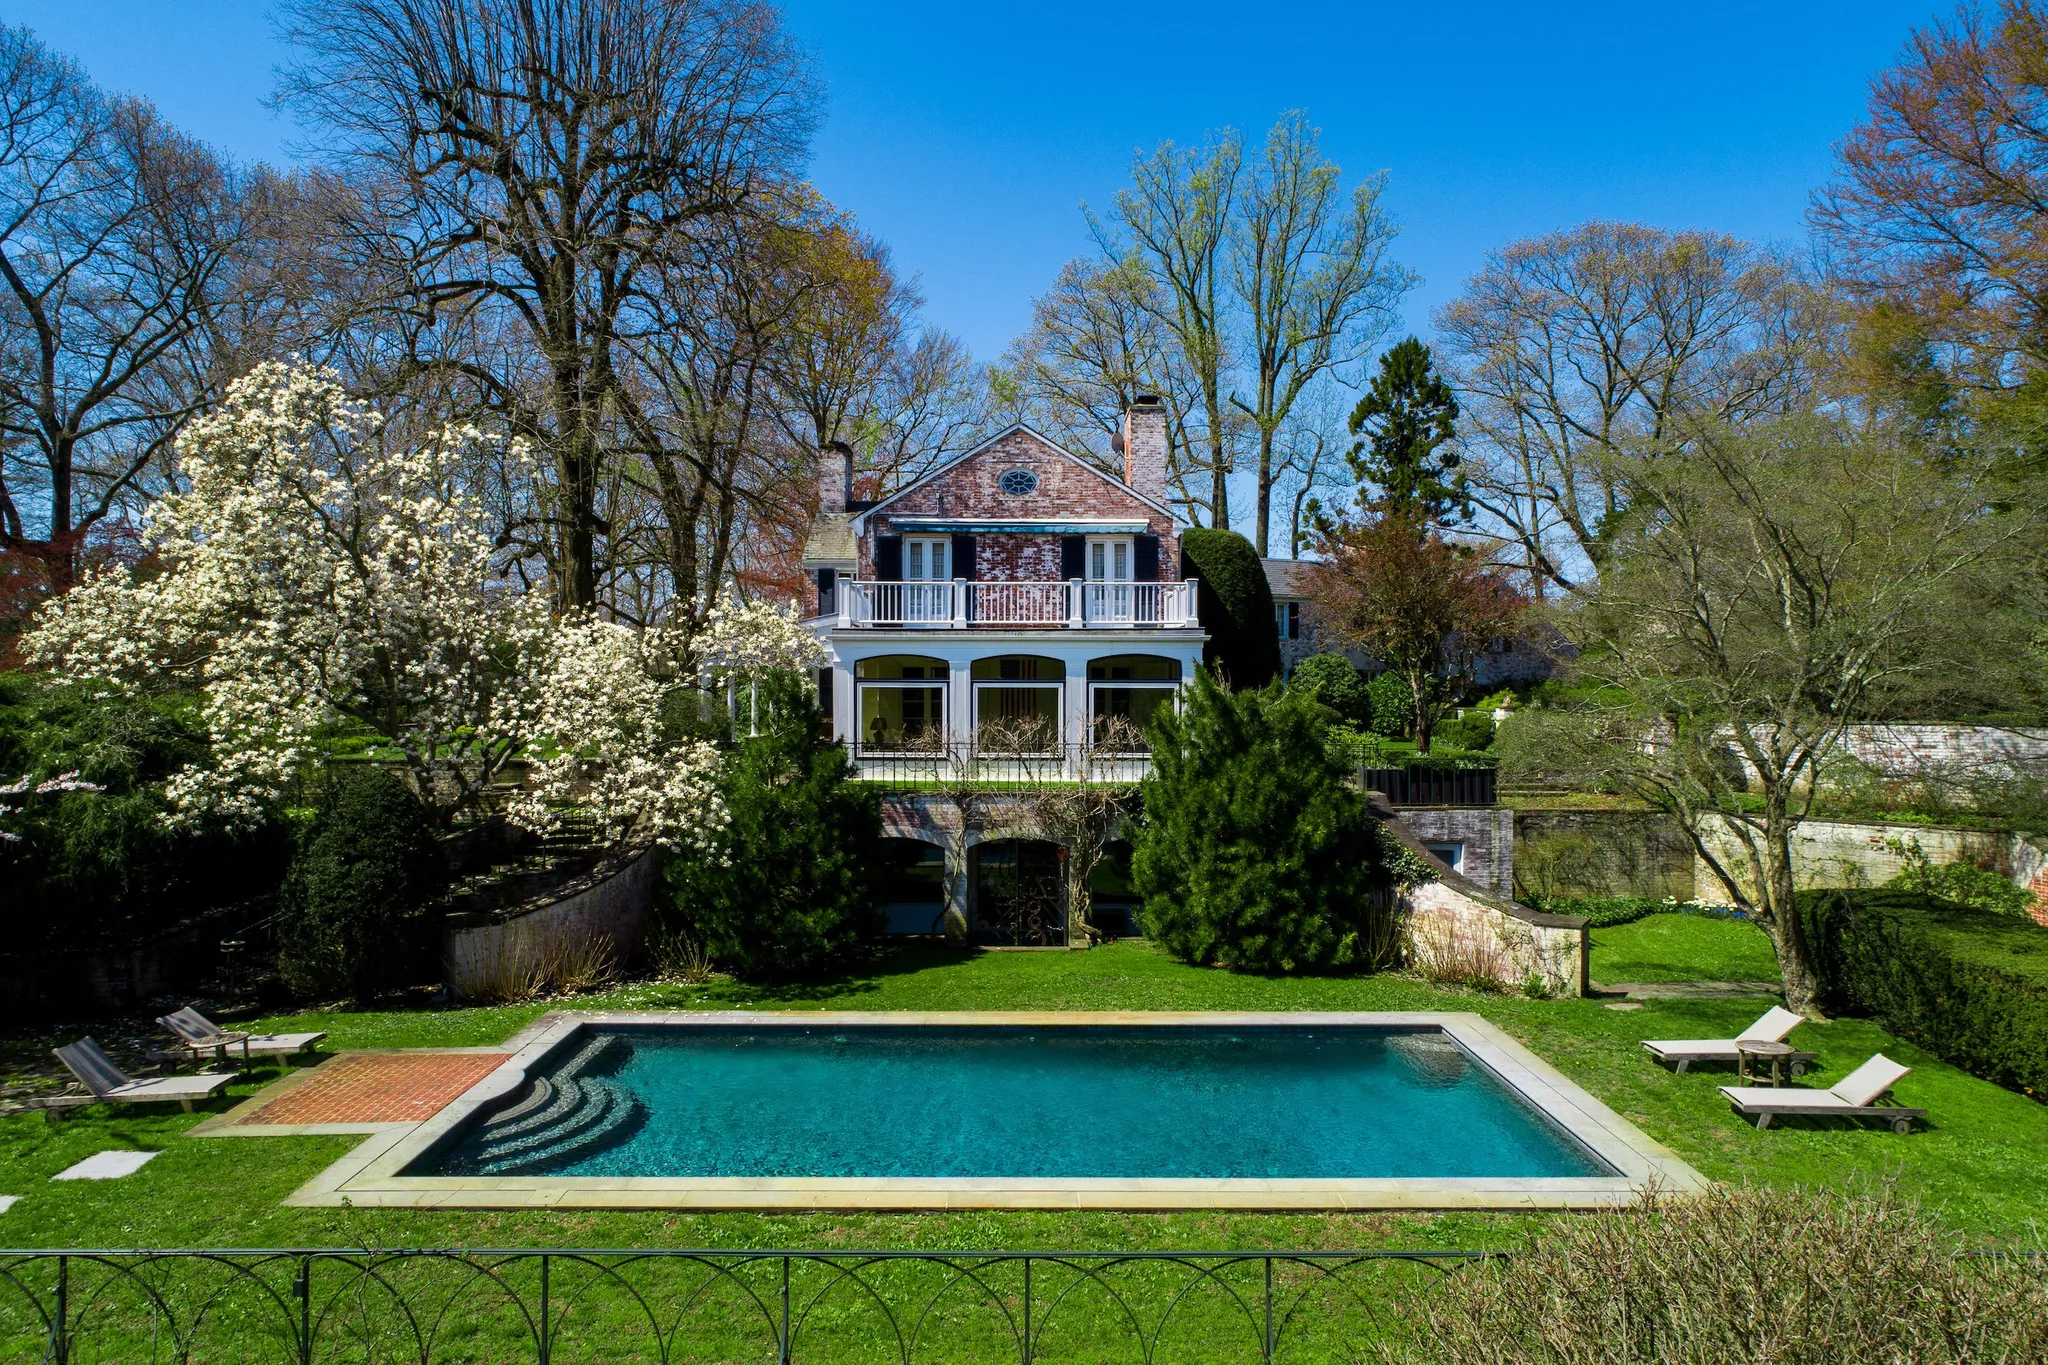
<point>299,1306</point>
<point>1417,785</point>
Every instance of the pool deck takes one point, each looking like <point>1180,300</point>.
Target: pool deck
<point>370,1176</point>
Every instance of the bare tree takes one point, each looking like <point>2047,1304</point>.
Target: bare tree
<point>1773,585</point>
<point>1309,268</point>
<point>115,231</point>
<point>1176,216</point>
<point>536,161</point>
<point>1576,352</point>
<point>1095,343</point>
<point>1939,209</point>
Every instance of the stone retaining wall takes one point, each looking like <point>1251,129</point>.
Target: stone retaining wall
<point>1458,929</point>
<point>1852,853</point>
<point>613,902</point>
<point>1602,853</point>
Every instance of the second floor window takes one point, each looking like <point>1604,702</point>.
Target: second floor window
<point>925,560</point>
<point>1109,559</point>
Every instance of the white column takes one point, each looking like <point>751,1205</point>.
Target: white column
<point>845,722</point>
<point>959,604</point>
<point>960,705</point>
<point>1074,595</point>
<point>1076,719</point>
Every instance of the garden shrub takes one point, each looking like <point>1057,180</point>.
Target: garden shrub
<point>1392,706</point>
<point>1958,883</point>
<point>1336,684</point>
<point>1236,605</point>
<point>1254,850</point>
<point>1787,1275</point>
<point>1605,912</point>
<point>1471,732</point>
<point>354,918</point>
<point>1968,985</point>
<point>93,868</point>
<point>793,883</point>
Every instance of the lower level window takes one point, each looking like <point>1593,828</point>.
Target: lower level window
<point>902,719</point>
<point>1452,855</point>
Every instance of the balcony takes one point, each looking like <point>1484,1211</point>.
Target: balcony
<point>959,604</point>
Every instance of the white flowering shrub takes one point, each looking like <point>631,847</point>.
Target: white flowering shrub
<point>317,573</point>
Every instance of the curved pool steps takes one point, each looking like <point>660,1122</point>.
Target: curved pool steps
<point>565,1114</point>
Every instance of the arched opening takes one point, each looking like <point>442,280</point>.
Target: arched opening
<point>1112,904</point>
<point>912,894</point>
<point>901,707</point>
<point>1017,704</point>
<point>1124,692</point>
<point>1017,893</point>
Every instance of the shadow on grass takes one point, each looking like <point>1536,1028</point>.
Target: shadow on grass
<point>864,977</point>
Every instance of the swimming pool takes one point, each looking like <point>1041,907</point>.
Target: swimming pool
<point>1019,1110</point>
<point>1103,1102</point>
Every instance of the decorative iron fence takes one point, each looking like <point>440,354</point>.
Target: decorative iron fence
<point>1416,785</point>
<point>301,1306</point>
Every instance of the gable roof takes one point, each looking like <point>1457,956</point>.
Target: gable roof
<point>859,519</point>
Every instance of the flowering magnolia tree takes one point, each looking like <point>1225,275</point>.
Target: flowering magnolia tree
<point>321,573</point>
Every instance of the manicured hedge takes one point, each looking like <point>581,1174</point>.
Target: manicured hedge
<point>1970,987</point>
<point>1605,912</point>
<point>1236,605</point>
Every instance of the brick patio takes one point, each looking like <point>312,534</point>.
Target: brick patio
<point>378,1087</point>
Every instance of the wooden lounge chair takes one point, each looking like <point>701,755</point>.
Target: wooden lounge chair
<point>1855,1097</point>
<point>108,1082</point>
<point>1777,1021</point>
<point>196,1034</point>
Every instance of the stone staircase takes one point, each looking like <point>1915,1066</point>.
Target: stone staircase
<point>563,1117</point>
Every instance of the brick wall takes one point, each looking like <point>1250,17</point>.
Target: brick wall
<point>968,489</point>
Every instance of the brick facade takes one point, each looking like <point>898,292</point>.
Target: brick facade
<point>1067,488</point>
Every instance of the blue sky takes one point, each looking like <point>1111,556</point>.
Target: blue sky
<point>967,135</point>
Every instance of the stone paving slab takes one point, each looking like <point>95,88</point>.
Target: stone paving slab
<point>107,1165</point>
<point>362,1092</point>
<point>1690,990</point>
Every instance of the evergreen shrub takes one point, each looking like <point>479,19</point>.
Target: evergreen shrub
<point>1336,684</point>
<point>1236,605</point>
<point>793,883</point>
<point>1254,852</point>
<point>1471,732</point>
<point>1970,986</point>
<point>105,868</point>
<point>354,918</point>
<point>1391,706</point>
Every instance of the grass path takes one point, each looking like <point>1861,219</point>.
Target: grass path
<point>1980,1159</point>
<point>1680,947</point>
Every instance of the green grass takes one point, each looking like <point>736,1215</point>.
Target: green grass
<point>1979,1159</point>
<point>1681,947</point>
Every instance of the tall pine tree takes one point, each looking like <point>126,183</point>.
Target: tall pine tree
<point>1405,421</point>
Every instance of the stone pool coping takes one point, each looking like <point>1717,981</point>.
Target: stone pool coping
<point>371,1175</point>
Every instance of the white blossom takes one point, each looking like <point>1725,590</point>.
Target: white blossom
<point>317,572</point>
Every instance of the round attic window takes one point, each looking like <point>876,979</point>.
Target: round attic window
<point>1018,482</point>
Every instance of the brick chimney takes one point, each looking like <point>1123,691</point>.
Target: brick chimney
<point>835,476</point>
<point>1144,443</point>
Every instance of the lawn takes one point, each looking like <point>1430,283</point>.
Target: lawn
<point>1979,1158</point>
<point>1682,948</point>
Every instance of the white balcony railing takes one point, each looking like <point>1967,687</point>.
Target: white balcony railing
<point>1075,604</point>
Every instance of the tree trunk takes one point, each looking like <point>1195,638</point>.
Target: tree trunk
<point>1780,920</point>
<point>1265,498</point>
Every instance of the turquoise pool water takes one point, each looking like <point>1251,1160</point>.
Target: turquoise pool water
<point>1088,1102</point>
